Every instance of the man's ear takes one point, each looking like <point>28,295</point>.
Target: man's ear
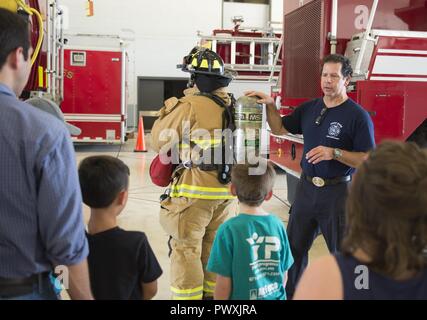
<point>268,196</point>
<point>14,57</point>
<point>122,197</point>
<point>233,189</point>
<point>347,81</point>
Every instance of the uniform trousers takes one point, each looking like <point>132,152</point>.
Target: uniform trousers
<point>314,209</point>
<point>192,225</point>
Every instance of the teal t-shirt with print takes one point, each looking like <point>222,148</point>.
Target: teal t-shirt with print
<point>254,252</point>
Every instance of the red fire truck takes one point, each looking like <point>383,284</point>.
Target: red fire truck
<point>95,92</point>
<point>386,41</point>
<point>89,84</point>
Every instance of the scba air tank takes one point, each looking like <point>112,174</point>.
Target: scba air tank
<point>248,120</point>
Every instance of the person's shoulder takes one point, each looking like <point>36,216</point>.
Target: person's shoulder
<point>308,105</point>
<point>44,120</point>
<point>311,102</point>
<point>121,235</point>
<point>278,225</point>
<point>321,280</point>
<point>356,109</point>
<point>231,223</point>
<point>131,234</point>
<point>173,103</point>
<point>213,99</point>
<point>27,114</point>
<point>131,240</point>
<point>40,126</point>
<point>275,219</point>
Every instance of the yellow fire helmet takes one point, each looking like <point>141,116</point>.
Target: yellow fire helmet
<point>204,61</point>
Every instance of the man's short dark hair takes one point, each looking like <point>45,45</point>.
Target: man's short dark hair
<point>346,69</point>
<point>14,33</point>
<point>102,178</point>
<point>252,189</point>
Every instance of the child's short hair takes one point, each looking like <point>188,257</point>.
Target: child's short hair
<point>252,188</point>
<point>102,178</point>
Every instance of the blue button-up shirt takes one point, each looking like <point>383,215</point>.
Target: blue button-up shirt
<point>41,220</point>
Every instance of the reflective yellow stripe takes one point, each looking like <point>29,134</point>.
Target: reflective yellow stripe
<point>186,291</point>
<point>200,192</point>
<point>198,188</point>
<point>198,297</point>
<point>209,286</point>
<point>210,283</point>
<point>187,294</point>
<point>199,196</point>
<point>184,146</point>
<point>203,141</point>
<point>204,144</point>
<point>185,190</point>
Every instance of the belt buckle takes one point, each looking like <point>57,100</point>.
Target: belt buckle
<point>318,182</point>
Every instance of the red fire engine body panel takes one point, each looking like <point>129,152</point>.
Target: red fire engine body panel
<point>395,91</point>
<point>286,153</point>
<point>94,94</point>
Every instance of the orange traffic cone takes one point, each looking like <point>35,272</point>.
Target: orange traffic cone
<point>140,140</point>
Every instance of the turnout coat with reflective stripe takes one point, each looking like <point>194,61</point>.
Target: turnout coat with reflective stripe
<point>190,122</point>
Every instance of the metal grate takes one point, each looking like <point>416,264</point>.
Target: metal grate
<point>303,50</point>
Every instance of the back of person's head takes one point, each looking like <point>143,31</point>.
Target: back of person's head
<point>387,209</point>
<point>14,33</point>
<point>102,178</point>
<point>251,189</point>
<point>346,69</point>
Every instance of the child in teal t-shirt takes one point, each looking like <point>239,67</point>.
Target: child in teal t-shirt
<point>251,252</point>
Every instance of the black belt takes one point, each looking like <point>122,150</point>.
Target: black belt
<point>321,182</point>
<point>20,286</point>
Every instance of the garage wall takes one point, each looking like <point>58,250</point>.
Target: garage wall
<point>276,13</point>
<point>254,15</point>
<point>159,32</point>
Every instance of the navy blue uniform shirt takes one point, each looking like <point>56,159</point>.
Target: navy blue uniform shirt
<point>347,126</point>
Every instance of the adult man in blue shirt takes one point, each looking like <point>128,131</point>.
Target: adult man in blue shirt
<point>41,222</point>
<point>338,134</point>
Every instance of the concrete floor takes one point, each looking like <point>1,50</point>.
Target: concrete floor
<point>141,212</point>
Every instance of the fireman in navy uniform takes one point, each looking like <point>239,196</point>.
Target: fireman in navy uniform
<point>338,134</point>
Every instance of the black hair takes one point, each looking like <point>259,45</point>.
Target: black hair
<point>346,69</point>
<point>102,178</point>
<point>14,33</point>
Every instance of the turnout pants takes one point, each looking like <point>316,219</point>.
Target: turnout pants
<point>314,209</point>
<point>192,225</point>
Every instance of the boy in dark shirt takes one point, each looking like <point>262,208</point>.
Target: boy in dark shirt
<point>122,265</point>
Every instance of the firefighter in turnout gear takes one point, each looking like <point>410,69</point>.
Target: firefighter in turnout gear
<point>199,200</point>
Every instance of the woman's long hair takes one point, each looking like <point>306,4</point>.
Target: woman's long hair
<point>387,209</point>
